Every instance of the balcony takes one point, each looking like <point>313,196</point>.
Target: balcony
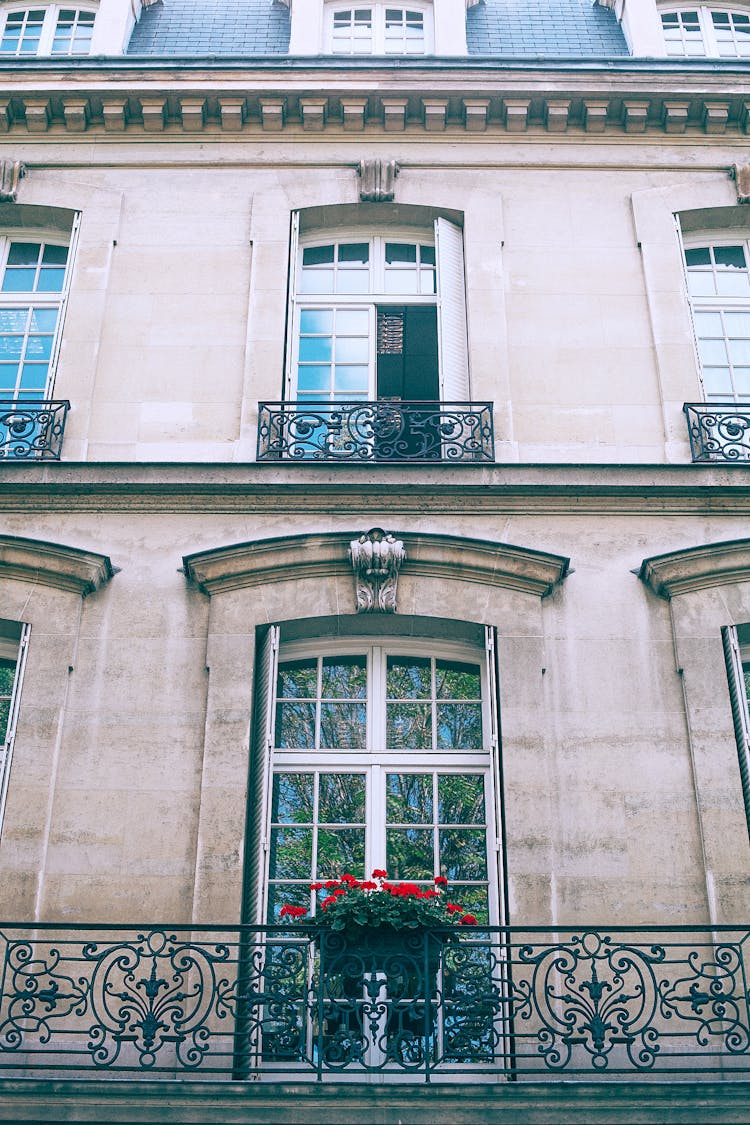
<point>289,1004</point>
<point>381,431</point>
<point>719,431</point>
<point>31,430</point>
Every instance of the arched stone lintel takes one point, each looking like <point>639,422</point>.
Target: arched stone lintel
<point>265,561</point>
<point>50,564</point>
<point>697,568</point>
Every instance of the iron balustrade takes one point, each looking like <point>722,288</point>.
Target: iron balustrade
<point>273,1002</point>
<point>32,430</point>
<point>376,431</point>
<point>719,431</point>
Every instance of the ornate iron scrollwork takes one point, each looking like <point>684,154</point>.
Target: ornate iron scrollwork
<point>718,431</point>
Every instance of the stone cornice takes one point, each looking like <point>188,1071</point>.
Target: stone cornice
<point>697,568</point>
<point>152,96</point>
<point>395,491</point>
<point>50,564</point>
<point>446,557</point>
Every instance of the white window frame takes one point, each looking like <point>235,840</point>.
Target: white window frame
<point>711,45</point>
<point>9,650</point>
<point>39,299</point>
<point>379,44</point>
<point>721,304</point>
<point>737,658</point>
<point>52,14</point>
<point>375,761</point>
<point>449,298</point>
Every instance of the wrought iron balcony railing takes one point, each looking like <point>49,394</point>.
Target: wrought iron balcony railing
<point>31,430</point>
<point>719,431</point>
<point>376,431</point>
<point>182,1002</point>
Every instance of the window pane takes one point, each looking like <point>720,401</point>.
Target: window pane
<point>351,379</point>
<point>290,894</point>
<point>354,252</point>
<point>699,256</point>
<point>409,853</point>
<point>344,677</point>
<point>730,257</point>
<point>298,679</point>
<point>343,726</point>
<point>408,677</point>
<point>4,716</point>
<point>314,349</point>
<point>295,726</point>
<point>342,798</point>
<point>352,349</point>
<point>352,322</point>
<point>409,798</point>
<point>34,376</point>
<point>459,726</point>
<point>317,255</point>
<point>400,252</point>
<point>456,680</point>
<point>316,321</point>
<point>341,852</point>
<point>292,801</point>
<point>50,280</point>
<point>460,799</point>
<point>290,853</point>
<point>43,320</point>
<point>314,379</point>
<point>463,853</point>
<point>409,726</point>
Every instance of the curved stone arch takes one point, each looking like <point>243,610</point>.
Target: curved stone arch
<point>697,568</point>
<point>52,564</point>
<point>286,558</point>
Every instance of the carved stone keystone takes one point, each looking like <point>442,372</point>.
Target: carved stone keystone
<point>11,174</point>
<point>377,178</point>
<point>376,558</point>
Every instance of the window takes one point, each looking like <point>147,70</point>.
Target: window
<point>704,31</point>
<point>718,275</point>
<point>50,30</point>
<point>380,756</point>
<point>737,656</point>
<point>32,288</point>
<point>379,29</point>
<point>13,642</point>
<point>380,316</point>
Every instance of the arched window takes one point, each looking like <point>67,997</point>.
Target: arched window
<point>380,755</point>
<point>379,29</point>
<point>47,30</point>
<point>705,30</point>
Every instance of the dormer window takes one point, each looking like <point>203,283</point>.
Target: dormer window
<point>51,30</point>
<point>704,32</point>
<point>379,29</point>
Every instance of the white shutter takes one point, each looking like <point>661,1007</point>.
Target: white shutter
<point>496,771</point>
<point>6,749</point>
<point>740,712</point>
<point>259,787</point>
<point>289,379</point>
<point>454,359</point>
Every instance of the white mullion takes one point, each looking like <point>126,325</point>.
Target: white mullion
<point>318,701</point>
<point>315,824</point>
<point>436,868</point>
<point>433,702</point>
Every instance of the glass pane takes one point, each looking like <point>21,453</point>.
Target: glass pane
<point>4,716</point>
<point>731,284</point>
<point>456,680</point>
<point>709,324</point>
<point>19,280</point>
<point>737,324</point>
<point>463,853</point>
<point>341,852</point>
<point>315,349</point>
<point>700,256</point>
<point>34,376</point>
<point>39,347</point>
<point>352,349</point>
<point>473,900</point>
<point>352,281</point>
<point>701,284</point>
<point>401,282</point>
<point>314,379</point>
<point>408,726</point>
<point>712,351</point>
<point>459,726</point>
<point>409,853</point>
<point>409,798</point>
<point>730,257</point>
<point>399,252</point>
<point>295,726</point>
<point>24,253</point>
<point>354,252</point>
<point>717,380</point>
<point>286,894</point>
<point>50,280</point>
<point>316,322</point>
<point>54,255</point>
<point>352,322</point>
<point>344,677</point>
<point>460,799</point>
<point>317,255</point>
<point>43,320</point>
<point>298,679</point>
<point>408,677</point>
<point>13,320</point>
<point>316,281</point>
<point>343,726</point>
<point>742,380</point>
<point>292,800</point>
<point>341,798</point>
<point>290,853</point>
<point>353,379</point>
<point>11,347</point>
<point>739,351</point>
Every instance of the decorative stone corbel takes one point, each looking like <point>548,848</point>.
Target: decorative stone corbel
<point>377,178</point>
<point>11,174</point>
<point>376,558</point>
<point>740,173</point>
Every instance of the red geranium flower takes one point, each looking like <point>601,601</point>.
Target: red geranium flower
<point>378,873</point>
<point>453,907</point>
<point>331,883</point>
<point>440,881</point>
<point>292,911</point>
<point>316,886</point>
<point>468,920</point>
<point>368,885</point>
<point>327,902</point>
<point>350,880</point>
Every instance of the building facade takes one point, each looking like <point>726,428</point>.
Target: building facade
<point>375,431</point>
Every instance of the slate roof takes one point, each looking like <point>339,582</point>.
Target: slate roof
<point>261,27</point>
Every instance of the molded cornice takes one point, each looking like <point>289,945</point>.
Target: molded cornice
<point>446,557</point>
<point>50,564</point>
<point>697,568</point>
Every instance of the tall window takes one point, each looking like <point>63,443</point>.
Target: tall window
<point>380,757</point>
<point>737,655</point>
<point>380,316</point>
<point>47,30</point>
<point>706,31</point>
<point>13,641</point>
<point>379,29</point>
<point>32,288</point>
<point>718,276</point>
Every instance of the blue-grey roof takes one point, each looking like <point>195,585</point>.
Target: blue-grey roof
<point>261,27</point>
<point>543,27</point>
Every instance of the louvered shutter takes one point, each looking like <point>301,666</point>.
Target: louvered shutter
<point>290,382</point>
<point>740,712</point>
<point>259,786</point>
<point>6,748</point>
<point>454,359</point>
<point>496,771</point>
